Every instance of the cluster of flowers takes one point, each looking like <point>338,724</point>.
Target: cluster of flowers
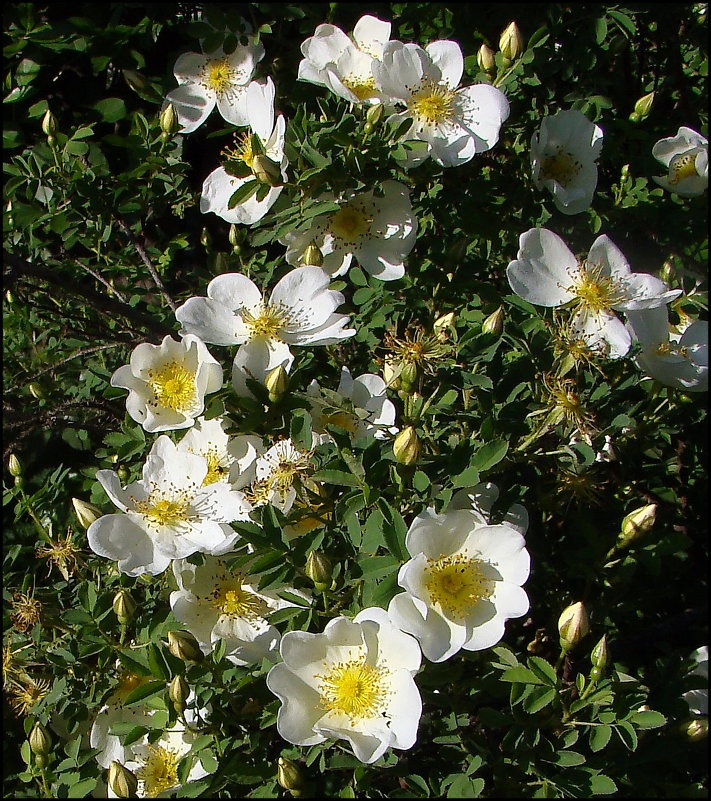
<point>356,679</point>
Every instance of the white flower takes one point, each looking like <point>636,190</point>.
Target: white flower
<point>168,514</point>
<point>676,358</point>
<point>372,411</point>
<point>355,681</point>
<point>687,157</point>
<point>230,459</point>
<point>546,273</point>
<point>379,231</point>
<point>481,499</point>
<point>462,583</point>
<point>215,79</point>
<point>564,153</point>
<point>167,383</point>
<point>453,124</point>
<point>344,64</point>
<point>240,162</point>
<point>698,700</point>
<point>300,311</point>
<point>214,603</point>
<point>276,472</point>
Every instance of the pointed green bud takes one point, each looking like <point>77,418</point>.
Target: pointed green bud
<point>178,692</point>
<point>169,123</point>
<point>409,377</point>
<point>600,655</point>
<point>374,114</point>
<point>407,446</point>
<point>485,59</point>
<point>494,323</point>
<point>277,383</point>
<point>206,239</point>
<point>49,124</point>
<point>290,776</point>
<point>183,645</point>
<point>511,42</point>
<point>40,740</point>
<point>573,625</point>
<point>235,236</point>
<point>37,390</point>
<point>267,171</point>
<point>319,569</point>
<point>642,107</point>
<point>86,513</point>
<point>124,606</point>
<point>122,781</point>
<point>14,466</point>
<point>312,255</point>
<point>636,524</point>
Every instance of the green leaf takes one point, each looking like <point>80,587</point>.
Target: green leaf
<point>599,737</point>
<point>489,454</point>
<point>543,669</point>
<point>464,787</point>
<point>111,109</point>
<point>243,193</point>
<point>628,735</point>
<point>467,478</point>
<point>156,662</point>
<point>538,699</point>
<point>522,675</point>
<point>568,759</point>
<point>602,785</point>
<point>648,719</point>
<point>143,691</point>
<point>338,477</point>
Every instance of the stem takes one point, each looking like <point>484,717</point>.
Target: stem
<point>561,657</point>
<point>41,530</point>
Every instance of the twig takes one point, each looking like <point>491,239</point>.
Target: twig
<point>20,266</point>
<point>149,264</point>
<point>101,279</point>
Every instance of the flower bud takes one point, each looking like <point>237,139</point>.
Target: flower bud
<point>40,740</point>
<point>14,466</point>
<point>494,323</point>
<point>267,171</point>
<point>485,59</point>
<point>124,606</point>
<point>636,524</point>
<point>667,273</point>
<point>86,513</point>
<point>318,569</point>
<point>312,255</point>
<point>442,323</point>
<point>276,382</point>
<point>290,776</point>
<point>573,625</point>
<point>695,729</point>
<point>37,390</point>
<point>235,236</point>
<point>183,645</point>
<point>600,654</point>
<point>206,239</point>
<point>642,107</point>
<point>169,123</point>
<point>49,124</point>
<point>178,692</point>
<point>135,80</point>
<point>391,375</point>
<point>122,781</point>
<point>407,446</point>
<point>408,378</point>
<point>374,114</point>
<point>511,42</point>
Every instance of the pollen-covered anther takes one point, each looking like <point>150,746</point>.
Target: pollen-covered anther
<point>433,103</point>
<point>355,688</point>
<point>561,167</point>
<point>219,75</point>
<point>268,322</point>
<point>362,88</point>
<point>683,165</point>
<point>457,584</point>
<point>594,290</point>
<point>173,386</point>
<point>159,771</point>
<point>350,223</point>
<point>230,598</point>
<point>161,509</point>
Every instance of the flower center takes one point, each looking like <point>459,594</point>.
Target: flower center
<point>349,223</point>
<point>595,290</point>
<point>362,88</point>
<point>230,598</point>
<point>219,75</point>
<point>240,151</point>
<point>672,349</point>
<point>159,772</point>
<point>216,471</point>
<point>355,688</point>
<point>562,167</point>
<point>432,103</point>
<point>682,166</point>
<point>268,322</point>
<point>161,510</point>
<point>457,583</point>
<point>173,387</point>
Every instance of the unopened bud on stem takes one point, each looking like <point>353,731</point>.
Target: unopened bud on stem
<point>290,776</point>
<point>124,606</point>
<point>86,513</point>
<point>40,740</point>
<point>178,692</point>
<point>49,124</point>
<point>407,446</point>
<point>494,323</point>
<point>267,171</point>
<point>319,569</point>
<point>636,524</point>
<point>573,625</point>
<point>642,107</point>
<point>277,383</point>
<point>600,654</point>
<point>312,255</point>
<point>511,42</point>
<point>485,59</point>
<point>14,466</point>
<point>183,645</point>
<point>169,123</point>
<point>122,781</point>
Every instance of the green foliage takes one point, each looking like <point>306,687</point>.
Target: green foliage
<point>104,239</point>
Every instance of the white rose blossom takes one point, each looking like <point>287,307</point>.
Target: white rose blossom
<point>344,64</point>
<point>167,383</point>
<point>355,681</point>
<point>677,357</point>
<point>300,311</point>
<point>241,162</point>
<point>277,470</point>
<point>378,231</point>
<point>229,458</point>
<point>170,513</point>
<point>214,79</point>
<point>214,602</point>
<point>372,411</point>
<point>546,273</point>
<point>698,700</point>
<point>686,156</point>
<point>564,153</point>
<point>451,125</point>
<point>463,581</point>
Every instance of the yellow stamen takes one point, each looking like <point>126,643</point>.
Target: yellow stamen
<point>230,598</point>
<point>595,290</point>
<point>561,167</point>
<point>173,387</point>
<point>163,510</point>
<point>362,88</point>
<point>268,323</point>
<point>241,150</point>
<point>355,688</point>
<point>457,584</point>
<point>682,166</point>
<point>433,103</point>
<point>159,772</point>
<point>219,75</point>
<point>216,470</point>
<point>350,223</point>
<point>26,612</point>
